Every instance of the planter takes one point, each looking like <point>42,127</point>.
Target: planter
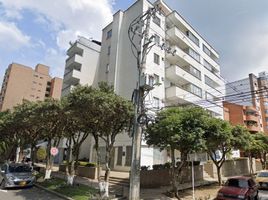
<point>89,172</point>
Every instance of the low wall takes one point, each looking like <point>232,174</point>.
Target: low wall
<point>89,172</point>
<point>235,167</point>
<point>162,177</point>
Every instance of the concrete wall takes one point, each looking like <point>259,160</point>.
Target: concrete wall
<point>232,168</point>
<point>162,177</point>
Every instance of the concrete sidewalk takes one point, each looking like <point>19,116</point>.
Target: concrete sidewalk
<point>146,194</point>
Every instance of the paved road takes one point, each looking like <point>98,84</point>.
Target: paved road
<point>26,194</point>
<point>263,195</point>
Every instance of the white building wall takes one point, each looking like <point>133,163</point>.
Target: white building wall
<point>123,72</point>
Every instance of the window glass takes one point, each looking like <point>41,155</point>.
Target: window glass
<point>109,50</point>
<point>119,156</point>
<point>156,58</point>
<point>206,50</point>
<point>157,21</point>
<point>240,183</point>
<point>156,102</point>
<point>194,55</point>
<point>128,155</point>
<point>109,34</point>
<point>157,39</point>
<point>156,79</point>
<point>192,37</point>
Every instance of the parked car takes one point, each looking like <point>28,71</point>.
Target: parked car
<point>239,187</point>
<point>262,179</point>
<point>16,175</point>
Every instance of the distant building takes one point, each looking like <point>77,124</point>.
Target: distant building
<point>22,82</point>
<point>82,64</point>
<point>253,92</point>
<point>247,116</point>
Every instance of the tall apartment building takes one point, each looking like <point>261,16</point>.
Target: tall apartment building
<point>81,65</point>
<point>81,68</point>
<point>251,91</point>
<point>190,76</point>
<point>22,82</point>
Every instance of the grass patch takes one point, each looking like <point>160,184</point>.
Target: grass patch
<point>77,192</point>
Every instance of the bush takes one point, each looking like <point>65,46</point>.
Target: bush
<point>83,164</point>
<point>158,166</point>
<point>41,154</point>
<point>144,168</point>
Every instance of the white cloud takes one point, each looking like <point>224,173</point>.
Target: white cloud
<point>68,17</point>
<point>11,38</point>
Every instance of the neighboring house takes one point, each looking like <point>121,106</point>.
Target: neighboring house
<point>24,83</point>
<point>253,92</point>
<point>190,76</point>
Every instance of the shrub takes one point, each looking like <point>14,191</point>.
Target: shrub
<point>41,154</point>
<point>144,168</point>
<point>158,166</point>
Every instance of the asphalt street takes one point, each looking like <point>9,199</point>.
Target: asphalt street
<point>263,195</point>
<point>26,194</point>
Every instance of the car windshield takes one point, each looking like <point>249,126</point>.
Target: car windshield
<point>241,183</point>
<point>19,168</point>
<point>263,174</point>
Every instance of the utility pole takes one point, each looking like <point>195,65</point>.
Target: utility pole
<point>136,29</point>
<point>141,44</point>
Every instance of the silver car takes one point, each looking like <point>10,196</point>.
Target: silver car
<point>16,175</point>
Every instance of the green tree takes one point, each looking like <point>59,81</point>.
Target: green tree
<point>181,129</point>
<point>53,122</point>
<point>221,138</point>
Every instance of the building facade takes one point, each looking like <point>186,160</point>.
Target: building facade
<point>24,83</point>
<point>247,116</point>
<point>251,91</point>
<point>81,68</point>
<point>81,65</point>
<point>191,75</point>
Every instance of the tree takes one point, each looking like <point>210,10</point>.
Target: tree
<point>52,119</point>
<point>221,138</point>
<point>259,148</point>
<point>181,129</point>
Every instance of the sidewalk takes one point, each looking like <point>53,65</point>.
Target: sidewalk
<point>146,194</point>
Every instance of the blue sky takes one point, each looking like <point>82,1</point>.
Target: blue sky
<point>34,32</point>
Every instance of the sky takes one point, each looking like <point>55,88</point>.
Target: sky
<point>33,32</point>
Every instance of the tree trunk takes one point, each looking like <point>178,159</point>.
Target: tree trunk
<point>219,174</point>
<point>48,161</point>
<point>173,173</point>
<point>250,164</point>
<point>107,170</point>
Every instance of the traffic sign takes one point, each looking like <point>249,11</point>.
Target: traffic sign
<point>54,151</point>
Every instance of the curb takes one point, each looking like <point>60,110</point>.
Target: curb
<point>53,192</point>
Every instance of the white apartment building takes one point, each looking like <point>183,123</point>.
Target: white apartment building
<point>190,76</point>
<point>80,68</point>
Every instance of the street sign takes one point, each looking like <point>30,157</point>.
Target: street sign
<point>54,151</point>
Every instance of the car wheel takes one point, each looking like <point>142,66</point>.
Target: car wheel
<point>3,184</point>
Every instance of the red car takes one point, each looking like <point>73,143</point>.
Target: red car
<point>239,187</point>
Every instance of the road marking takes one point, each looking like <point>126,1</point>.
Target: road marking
<point>3,190</point>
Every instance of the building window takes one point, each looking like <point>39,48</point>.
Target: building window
<point>192,70</point>
<point>156,58</point>
<point>157,39</point>
<point>107,68</point>
<point>210,82</point>
<point>156,79</point>
<point>119,156</point>
<point>128,155</point>
<point>193,89</point>
<point>109,50</point>
<point>266,119</point>
<point>41,77</point>
<point>192,37</point>
<point>109,34</point>
<point>194,54</point>
<point>156,102</point>
<point>206,50</point>
<point>157,21</point>
<point>151,81</point>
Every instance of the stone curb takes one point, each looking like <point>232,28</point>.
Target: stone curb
<point>53,192</point>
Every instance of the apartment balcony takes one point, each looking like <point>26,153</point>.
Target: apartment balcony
<point>65,91</point>
<point>253,128</point>
<point>75,49</point>
<point>74,62</point>
<point>179,74</point>
<point>181,96</point>
<point>183,41</point>
<point>253,118</point>
<point>181,58</point>
<point>72,77</point>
